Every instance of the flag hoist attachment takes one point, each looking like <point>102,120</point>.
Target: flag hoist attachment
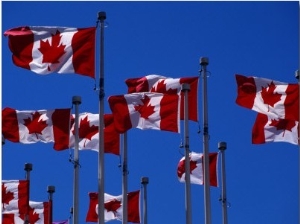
<point>297,75</point>
<point>144,182</point>
<point>101,190</point>
<point>50,190</point>
<point>203,73</point>
<point>27,168</point>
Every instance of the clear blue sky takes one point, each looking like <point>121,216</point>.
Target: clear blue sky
<point>166,38</point>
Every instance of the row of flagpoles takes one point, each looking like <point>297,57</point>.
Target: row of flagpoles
<point>248,89</point>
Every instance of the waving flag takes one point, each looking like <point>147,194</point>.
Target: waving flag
<point>266,130</point>
<point>38,214</point>
<point>161,84</point>
<point>113,207</point>
<point>89,133</point>
<point>273,98</point>
<point>145,111</point>
<point>46,50</point>
<point>37,126</point>
<point>196,168</point>
<point>15,196</point>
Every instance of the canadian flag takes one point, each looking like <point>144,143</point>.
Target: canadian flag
<point>145,111</point>
<point>38,214</point>
<point>266,130</point>
<point>15,196</point>
<point>45,50</point>
<point>273,98</point>
<point>31,126</point>
<point>89,133</point>
<point>113,208</point>
<point>196,168</point>
<point>161,84</point>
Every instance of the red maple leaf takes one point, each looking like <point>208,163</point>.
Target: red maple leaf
<point>33,216</point>
<point>268,95</point>
<point>35,126</point>
<point>112,206</point>
<point>146,109</point>
<point>283,124</point>
<point>6,196</point>
<point>85,130</point>
<point>52,52</point>
<point>181,167</point>
<point>161,87</point>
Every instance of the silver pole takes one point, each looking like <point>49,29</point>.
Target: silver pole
<point>101,18</point>
<point>222,146</point>
<point>188,207</point>
<point>76,100</point>
<point>204,63</point>
<point>124,180</point>
<point>27,168</point>
<point>145,181</point>
<point>50,190</point>
<point>297,74</point>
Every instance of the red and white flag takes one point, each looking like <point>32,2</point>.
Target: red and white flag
<point>161,84</point>
<point>266,130</point>
<point>38,214</point>
<point>46,50</point>
<point>89,133</point>
<point>145,111</point>
<point>31,126</point>
<point>196,169</point>
<point>15,196</point>
<point>113,208</point>
<point>273,98</point>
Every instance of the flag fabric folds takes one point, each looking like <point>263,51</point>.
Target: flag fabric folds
<point>113,207</point>
<point>15,196</point>
<point>89,133</point>
<point>196,169</point>
<point>38,214</point>
<point>161,84</point>
<point>276,99</point>
<point>266,130</point>
<point>145,111</point>
<point>47,49</point>
<point>37,126</point>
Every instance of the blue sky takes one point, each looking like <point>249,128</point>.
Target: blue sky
<point>166,38</point>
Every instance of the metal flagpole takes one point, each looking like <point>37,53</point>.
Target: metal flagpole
<point>204,63</point>
<point>222,146</point>
<point>101,18</point>
<point>50,190</point>
<point>144,182</point>
<point>76,100</point>
<point>28,168</point>
<point>124,181</point>
<point>297,74</point>
<point>188,207</point>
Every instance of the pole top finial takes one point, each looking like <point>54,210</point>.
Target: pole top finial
<point>28,167</point>
<point>222,145</point>
<point>185,87</point>
<point>203,61</point>
<point>50,189</point>
<point>145,180</point>
<point>297,74</point>
<point>76,100</point>
<point>101,15</point>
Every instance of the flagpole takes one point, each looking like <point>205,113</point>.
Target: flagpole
<point>76,100</point>
<point>144,182</point>
<point>188,207</point>
<point>297,74</point>
<point>50,190</point>
<point>101,18</point>
<point>124,181</point>
<point>204,63</point>
<point>222,147</point>
<point>28,168</point>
